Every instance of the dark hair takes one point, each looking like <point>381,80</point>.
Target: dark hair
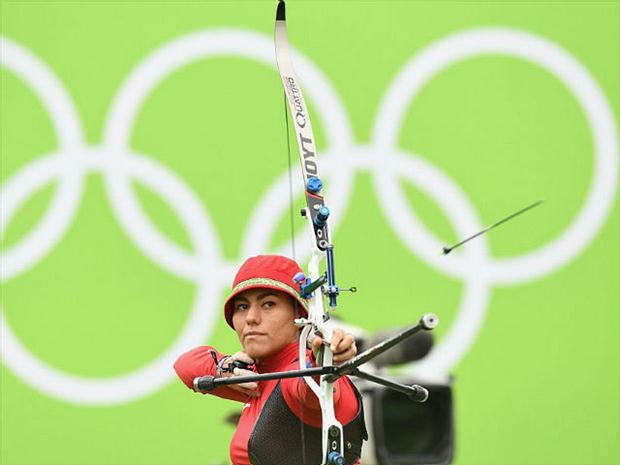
<point>296,306</point>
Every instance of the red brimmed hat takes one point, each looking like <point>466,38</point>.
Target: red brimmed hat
<point>266,271</point>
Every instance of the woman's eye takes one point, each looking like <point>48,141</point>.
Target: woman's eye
<point>269,304</point>
<point>241,307</point>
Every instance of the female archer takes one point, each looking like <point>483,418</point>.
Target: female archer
<point>281,420</point>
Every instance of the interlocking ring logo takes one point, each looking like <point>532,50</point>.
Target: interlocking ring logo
<point>342,159</point>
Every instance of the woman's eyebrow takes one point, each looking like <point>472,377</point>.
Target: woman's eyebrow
<point>266,294</point>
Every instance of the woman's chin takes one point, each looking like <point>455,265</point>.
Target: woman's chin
<point>259,353</point>
<point>255,351</point>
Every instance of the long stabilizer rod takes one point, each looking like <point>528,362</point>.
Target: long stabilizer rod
<point>427,322</point>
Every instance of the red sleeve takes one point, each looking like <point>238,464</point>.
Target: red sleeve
<point>200,362</point>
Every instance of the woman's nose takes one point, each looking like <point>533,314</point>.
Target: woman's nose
<point>253,315</point>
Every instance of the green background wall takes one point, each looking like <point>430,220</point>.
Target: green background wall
<point>540,381</point>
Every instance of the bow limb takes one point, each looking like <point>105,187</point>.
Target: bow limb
<point>317,215</point>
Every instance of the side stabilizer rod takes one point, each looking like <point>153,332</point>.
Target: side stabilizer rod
<point>208,383</point>
<point>415,392</point>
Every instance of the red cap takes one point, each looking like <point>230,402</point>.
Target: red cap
<point>266,271</point>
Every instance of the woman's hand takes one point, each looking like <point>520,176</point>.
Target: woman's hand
<point>250,389</point>
<point>342,346</point>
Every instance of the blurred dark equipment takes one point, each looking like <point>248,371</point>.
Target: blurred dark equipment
<point>408,433</point>
<point>232,418</point>
<point>409,350</point>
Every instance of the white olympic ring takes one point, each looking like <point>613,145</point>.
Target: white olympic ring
<point>436,58</point>
<point>341,160</point>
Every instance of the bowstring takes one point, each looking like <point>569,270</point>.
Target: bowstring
<point>290,180</point>
<point>294,254</point>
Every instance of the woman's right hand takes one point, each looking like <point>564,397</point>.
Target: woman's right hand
<point>250,389</point>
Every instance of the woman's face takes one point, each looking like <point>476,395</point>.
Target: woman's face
<point>263,319</point>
